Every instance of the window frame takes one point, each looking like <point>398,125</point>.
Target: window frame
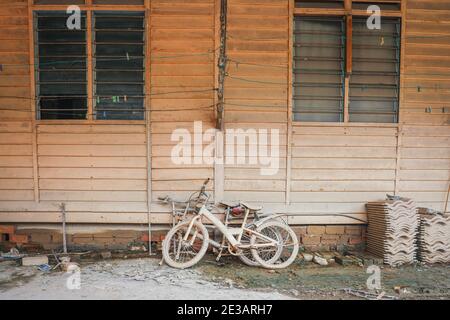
<point>347,13</point>
<point>89,9</point>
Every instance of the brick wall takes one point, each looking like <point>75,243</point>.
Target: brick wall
<point>313,238</point>
<point>331,237</point>
<point>53,239</point>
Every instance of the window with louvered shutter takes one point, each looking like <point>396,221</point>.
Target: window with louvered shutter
<point>374,84</point>
<point>61,67</point>
<point>119,48</point>
<point>319,62</point>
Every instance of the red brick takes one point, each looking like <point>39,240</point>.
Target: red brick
<point>353,230</point>
<point>310,240</point>
<point>343,239</point>
<point>155,237</point>
<point>355,241</point>
<point>316,230</point>
<point>40,237</point>
<point>57,237</point>
<point>18,238</point>
<point>330,239</point>
<point>7,229</point>
<point>300,231</point>
<point>335,230</point>
<point>77,239</point>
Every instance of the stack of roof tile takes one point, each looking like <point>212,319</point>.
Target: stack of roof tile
<point>392,231</point>
<point>434,237</point>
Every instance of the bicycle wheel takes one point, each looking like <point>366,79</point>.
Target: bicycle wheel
<point>247,256</point>
<point>287,244</point>
<point>182,254</point>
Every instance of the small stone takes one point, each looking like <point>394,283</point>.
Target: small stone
<point>229,282</point>
<point>295,292</point>
<point>308,257</point>
<point>320,261</point>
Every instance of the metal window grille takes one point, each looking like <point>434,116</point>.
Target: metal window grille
<point>119,50</point>
<point>61,67</point>
<point>374,84</point>
<point>319,64</point>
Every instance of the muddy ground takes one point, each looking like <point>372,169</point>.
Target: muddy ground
<point>309,281</point>
<point>145,279</point>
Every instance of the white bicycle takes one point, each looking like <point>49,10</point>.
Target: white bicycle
<point>270,241</point>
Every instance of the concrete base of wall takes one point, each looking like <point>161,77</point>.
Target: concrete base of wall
<point>312,238</point>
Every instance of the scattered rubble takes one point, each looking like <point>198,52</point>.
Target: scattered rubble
<point>320,261</point>
<point>307,257</point>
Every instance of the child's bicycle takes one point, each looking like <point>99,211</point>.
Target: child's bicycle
<point>268,242</point>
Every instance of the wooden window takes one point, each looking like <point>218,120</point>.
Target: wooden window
<point>95,73</point>
<point>374,84</point>
<point>319,62</point>
<point>119,65</point>
<point>61,67</point>
<point>344,71</point>
<point>335,4</point>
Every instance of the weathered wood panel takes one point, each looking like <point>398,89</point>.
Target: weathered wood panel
<point>183,53</point>
<point>342,165</point>
<point>101,171</point>
<point>14,57</point>
<point>256,96</point>
<point>98,167</point>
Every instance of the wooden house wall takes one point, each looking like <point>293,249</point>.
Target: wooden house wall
<point>424,156</point>
<point>101,170</point>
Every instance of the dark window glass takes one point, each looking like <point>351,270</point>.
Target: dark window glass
<point>374,84</point>
<point>319,61</point>
<point>61,76</point>
<point>119,48</point>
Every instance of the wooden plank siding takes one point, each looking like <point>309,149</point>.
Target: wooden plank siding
<point>425,150</point>
<point>16,130</point>
<point>183,62</point>
<point>100,169</point>
<point>256,91</point>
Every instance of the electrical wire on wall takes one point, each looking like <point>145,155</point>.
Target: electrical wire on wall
<point>222,65</point>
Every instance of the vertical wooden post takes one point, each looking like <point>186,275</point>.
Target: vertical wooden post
<point>290,71</point>
<point>219,166</point>
<point>346,99</point>
<point>398,159</point>
<point>90,68</point>
<point>348,57</point>
<point>401,98</point>
<point>33,100</point>
<point>147,115</point>
<point>402,59</point>
<point>222,65</point>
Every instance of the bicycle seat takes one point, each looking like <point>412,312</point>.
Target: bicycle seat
<point>229,204</point>
<point>251,207</point>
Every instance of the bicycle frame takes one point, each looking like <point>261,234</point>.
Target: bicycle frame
<point>228,233</point>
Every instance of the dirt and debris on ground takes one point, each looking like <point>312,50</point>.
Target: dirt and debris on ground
<point>121,280</point>
<point>143,278</point>
<point>304,280</point>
